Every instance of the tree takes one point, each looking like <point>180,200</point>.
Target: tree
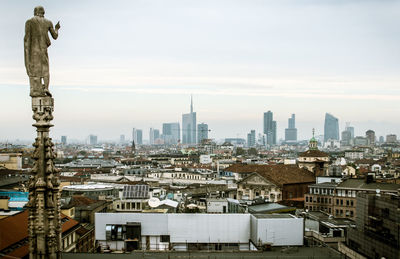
<point>252,151</point>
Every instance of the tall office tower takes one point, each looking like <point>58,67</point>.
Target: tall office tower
<point>291,131</point>
<point>122,139</point>
<point>274,132</point>
<point>93,140</point>
<point>331,129</point>
<point>64,140</point>
<point>391,138</point>
<point>350,129</point>
<point>139,137</point>
<point>171,133</point>
<point>189,126</point>
<point>346,138</point>
<point>156,134</point>
<point>381,139</point>
<point>202,132</point>
<point>370,134</point>
<point>151,136</point>
<point>251,138</point>
<point>270,128</point>
<point>134,136</point>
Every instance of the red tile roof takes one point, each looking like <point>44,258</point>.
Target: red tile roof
<point>279,174</point>
<point>14,229</point>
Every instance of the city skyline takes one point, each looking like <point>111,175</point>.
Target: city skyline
<point>277,60</point>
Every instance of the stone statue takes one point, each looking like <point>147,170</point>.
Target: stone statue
<point>44,223</point>
<point>36,42</point>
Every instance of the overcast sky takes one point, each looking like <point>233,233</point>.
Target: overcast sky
<point>123,64</point>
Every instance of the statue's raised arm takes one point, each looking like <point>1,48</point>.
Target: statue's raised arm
<point>36,42</point>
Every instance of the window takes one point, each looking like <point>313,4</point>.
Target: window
<point>115,232</point>
<point>341,201</point>
<point>306,198</point>
<point>164,238</point>
<point>347,203</point>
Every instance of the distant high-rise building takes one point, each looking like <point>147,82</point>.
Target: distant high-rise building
<point>134,138</point>
<point>122,139</point>
<point>202,132</point>
<point>151,136</point>
<point>346,138</point>
<point>351,130</point>
<point>156,134</point>
<point>64,140</point>
<point>370,135</point>
<point>139,137</point>
<point>189,126</point>
<point>251,138</point>
<point>331,129</point>
<point>291,131</point>
<point>93,140</point>
<point>391,138</point>
<point>171,133</point>
<point>347,135</point>
<point>270,128</point>
<point>381,139</point>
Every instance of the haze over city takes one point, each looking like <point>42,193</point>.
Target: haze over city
<point>135,63</point>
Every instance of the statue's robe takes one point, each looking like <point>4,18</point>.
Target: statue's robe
<point>36,42</point>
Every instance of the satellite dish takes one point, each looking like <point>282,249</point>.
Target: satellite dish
<point>154,202</point>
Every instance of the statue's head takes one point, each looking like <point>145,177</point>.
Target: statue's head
<point>38,11</point>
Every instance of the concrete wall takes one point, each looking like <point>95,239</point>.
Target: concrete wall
<point>280,231</point>
<point>209,228</point>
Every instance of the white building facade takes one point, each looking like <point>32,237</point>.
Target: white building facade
<point>183,232</point>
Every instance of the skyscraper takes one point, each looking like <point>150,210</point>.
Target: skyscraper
<point>171,132</point>
<point>64,140</point>
<point>370,134</point>
<point>156,134</point>
<point>202,132</point>
<point>331,128</point>
<point>93,140</point>
<point>151,136</point>
<point>122,139</point>
<point>291,131</point>
<point>139,137</point>
<point>270,128</point>
<point>251,138</point>
<point>189,126</point>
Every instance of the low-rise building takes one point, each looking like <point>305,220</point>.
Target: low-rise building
<point>320,197</point>
<point>183,232</point>
<point>134,198</point>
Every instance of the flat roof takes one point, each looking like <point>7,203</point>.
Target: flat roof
<point>273,216</point>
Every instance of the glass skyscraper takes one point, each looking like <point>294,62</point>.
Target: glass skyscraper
<point>331,128</point>
<point>270,128</point>
<point>189,126</point>
<point>202,132</point>
<point>291,132</point>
